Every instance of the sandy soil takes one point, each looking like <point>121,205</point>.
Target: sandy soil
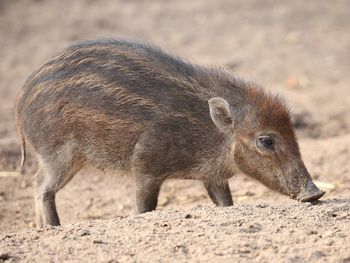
<point>297,48</point>
<point>242,233</point>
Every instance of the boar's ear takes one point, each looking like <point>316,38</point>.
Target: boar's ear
<point>220,113</point>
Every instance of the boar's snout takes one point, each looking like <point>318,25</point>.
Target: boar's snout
<point>310,193</point>
<point>300,184</point>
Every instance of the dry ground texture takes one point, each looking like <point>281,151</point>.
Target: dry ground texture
<point>300,49</point>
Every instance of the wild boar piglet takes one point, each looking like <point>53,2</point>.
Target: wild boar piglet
<point>131,107</point>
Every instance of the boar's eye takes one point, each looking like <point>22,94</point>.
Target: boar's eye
<point>266,142</point>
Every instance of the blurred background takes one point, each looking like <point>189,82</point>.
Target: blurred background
<point>300,49</point>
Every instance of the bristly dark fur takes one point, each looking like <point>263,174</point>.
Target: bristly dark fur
<point>121,88</point>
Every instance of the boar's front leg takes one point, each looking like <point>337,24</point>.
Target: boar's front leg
<point>147,191</point>
<point>219,193</point>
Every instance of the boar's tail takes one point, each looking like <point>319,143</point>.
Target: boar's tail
<point>23,150</point>
<point>20,130</point>
<point>23,142</point>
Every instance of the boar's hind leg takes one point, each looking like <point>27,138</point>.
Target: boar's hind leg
<point>52,175</point>
<point>220,194</point>
<point>146,190</point>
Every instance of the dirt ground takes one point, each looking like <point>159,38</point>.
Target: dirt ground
<point>297,48</point>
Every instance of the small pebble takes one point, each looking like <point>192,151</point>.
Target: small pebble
<point>187,216</point>
<point>84,233</point>
<point>99,242</point>
<point>245,251</point>
<point>4,256</point>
